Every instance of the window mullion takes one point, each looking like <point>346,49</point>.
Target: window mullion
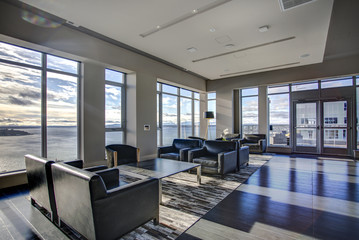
<point>44,107</point>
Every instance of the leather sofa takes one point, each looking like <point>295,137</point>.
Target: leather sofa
<point>257,143</point>
<point>96,207</point>
<point>118,154</point>
<point>39,176</point>
<point>179,149</point>
<point>216,157</point>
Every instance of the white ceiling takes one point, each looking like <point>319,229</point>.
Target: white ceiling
<point>235,22</point>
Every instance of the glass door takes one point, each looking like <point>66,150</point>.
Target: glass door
<point>306,128</point>
<point>336,130</point>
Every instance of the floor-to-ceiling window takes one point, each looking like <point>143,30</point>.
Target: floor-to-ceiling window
<point>279,117</point>
<point>38,106</point>
<point>114,106</point>
<point>177,113</point>
<point>211,101</point>
<point>249,113</point>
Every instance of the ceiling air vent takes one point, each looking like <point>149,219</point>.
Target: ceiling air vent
<point>289,4</point>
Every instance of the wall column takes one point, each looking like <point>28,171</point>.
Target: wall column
<point>262,110</point>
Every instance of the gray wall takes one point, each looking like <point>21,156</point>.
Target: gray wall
<point>96,55</point>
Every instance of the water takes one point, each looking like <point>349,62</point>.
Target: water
<point>62,145</point>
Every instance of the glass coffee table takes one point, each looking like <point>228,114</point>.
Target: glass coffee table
<point>160,168</point>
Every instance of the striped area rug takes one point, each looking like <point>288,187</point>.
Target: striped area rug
<point>184,201</point>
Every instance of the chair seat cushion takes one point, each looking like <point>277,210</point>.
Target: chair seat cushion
<point>209,161</point>
<point>174,156</point>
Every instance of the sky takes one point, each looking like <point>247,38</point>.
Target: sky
<point>20,89</point>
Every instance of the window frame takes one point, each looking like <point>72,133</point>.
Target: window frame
<point>123,105</point>
<point>241,106</point>
<point>178,95</point>
<point>43,68</point>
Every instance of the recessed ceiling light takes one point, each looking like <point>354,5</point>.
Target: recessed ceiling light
<point>305,55</point>
<point>158,26</point>
<point>229,46</point>
<point>194,11</point>
<point>212,29</point>
<point>191,49</point>
<point>263,28</point>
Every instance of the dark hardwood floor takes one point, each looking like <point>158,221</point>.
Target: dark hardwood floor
<point>288,198</point>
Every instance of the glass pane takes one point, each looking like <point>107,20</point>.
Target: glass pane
<point>304,86</point>
<point>169,119</point>
<point>280,89</point>
<point>335,138</point>
<point>185,93</point>
<point>158,86</point>
<point>114,138</point>
<point>169,89</point>
<point>212,122</point>
<point>196,119</point>
<point>279,119</point>
<point>113,76</point>
<point>306,115</point>
<point>357,117</point>
<point>196,95</point>
<point>61,116</point>
<point>249,115</point>
<point>20,116</point>
<point>337,83</point>
<point>335,115</point>
<point>249,92</point>
<point>62,64</point>
<point>20,55</point>
<point>186,118</point>
<point>306,137</point>
<point>211,95</point>
<point>113,106</point>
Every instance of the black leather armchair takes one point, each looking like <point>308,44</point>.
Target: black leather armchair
<point>257,143</point>
<point>39,176</point>
<point>118,154</point>
<point>217,157</point>
<point>179,149</point>
<point>86,204</point>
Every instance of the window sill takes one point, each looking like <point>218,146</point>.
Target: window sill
<point>13,179</point>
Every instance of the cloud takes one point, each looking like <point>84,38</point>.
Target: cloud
<point>30,94</point>
<point>9,120</point>
<point>17,101</point>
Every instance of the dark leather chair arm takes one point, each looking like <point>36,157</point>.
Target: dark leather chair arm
<point>196,153</point>
<point>184,154</point>
<point>76,163</point>
<point>227,161</point>
<point>262,143</point>
<point>165,149</point>
<point>111,177</point>
<point>96,168</point>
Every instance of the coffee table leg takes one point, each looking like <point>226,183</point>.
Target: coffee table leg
<point>199,174</point>
<point>160,190</point>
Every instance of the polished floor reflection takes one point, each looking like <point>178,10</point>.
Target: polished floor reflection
<point>288,198</point>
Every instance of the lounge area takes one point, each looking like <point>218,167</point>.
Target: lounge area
<point>215,119</point>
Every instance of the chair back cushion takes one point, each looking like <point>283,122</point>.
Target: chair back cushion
<point>215,147</point>
<point>186,143</point>
<point>254,138</point>
<point>38,171</point>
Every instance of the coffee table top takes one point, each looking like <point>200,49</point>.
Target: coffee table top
<point>158,167</point>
